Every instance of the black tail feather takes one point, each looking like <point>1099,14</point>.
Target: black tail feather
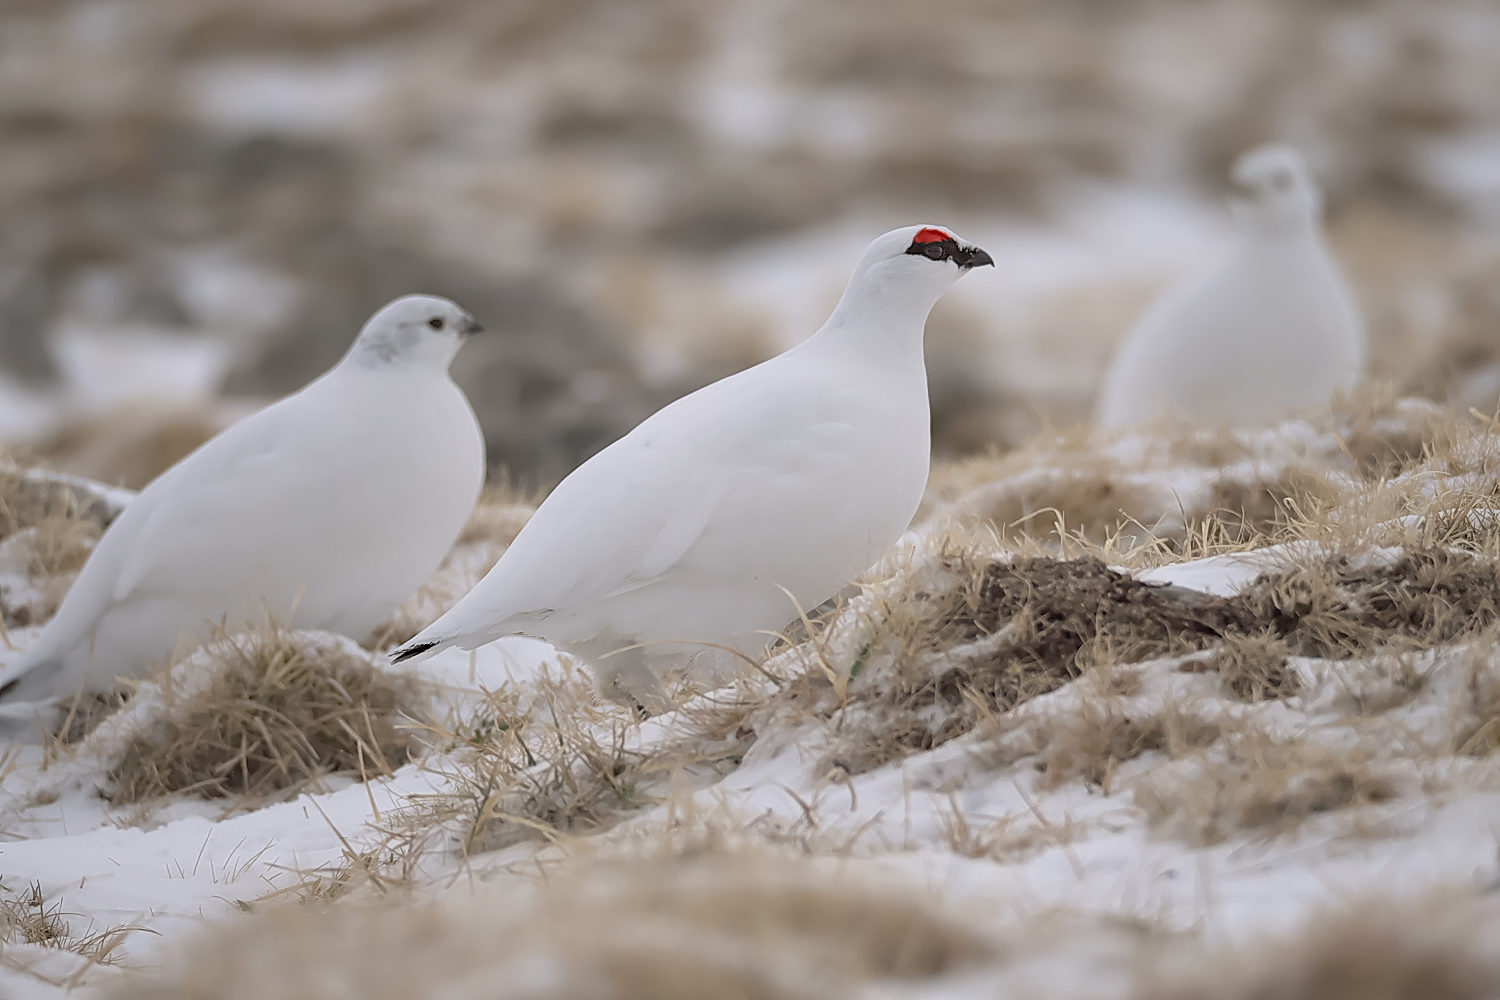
<point>407,652</point>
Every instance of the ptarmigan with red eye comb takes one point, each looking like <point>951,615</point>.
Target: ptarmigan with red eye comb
<point>706,527</point>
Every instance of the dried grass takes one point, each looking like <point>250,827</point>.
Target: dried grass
<point>1481,736</point>
<point>30,498</point>
<point>48,527</point>
<point>555,765</point>
<point>561,768</point>
<point>84,711</point>
<point>28,918</point>
<point>278,715</point>
<point>1253,783</point>
<point>1253,667</point>
<point>1177,490</point>
<point>939,665</point>
<point>724,926</point>
<point>1342,605</point>
<point>1090,743</point>
<point>1439,948</point>
<point>934,665</point>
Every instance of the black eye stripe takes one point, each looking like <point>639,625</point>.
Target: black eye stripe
<point>947,249</point>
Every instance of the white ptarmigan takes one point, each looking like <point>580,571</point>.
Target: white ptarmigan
<point>706,528</point>
<point>1267,328</point>
<point>326,510</point>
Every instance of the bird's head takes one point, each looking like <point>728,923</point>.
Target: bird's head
<point>912,267</point>
<point>415,331</point>
<point>1275,188</point>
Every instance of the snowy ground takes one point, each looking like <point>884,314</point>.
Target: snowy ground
<point>1203,804</point>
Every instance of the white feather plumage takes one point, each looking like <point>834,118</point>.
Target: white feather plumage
<point>709,524</point>
<point>326,510</point>
<point>1266,328</point>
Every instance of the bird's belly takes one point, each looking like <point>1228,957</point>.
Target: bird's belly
<point>1258,342</point>
<point>778,545</point>
<point>680,619</point>
<point>349,557</point>
<point>821,519</point>
<point>375,558</point>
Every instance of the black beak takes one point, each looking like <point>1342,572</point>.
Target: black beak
<point>472,327</point>
<point>969,257</point>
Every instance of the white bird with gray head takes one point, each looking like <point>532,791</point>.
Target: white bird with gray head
<point>694,538</point>
<point>1267,328</point>
<point>325,510</point>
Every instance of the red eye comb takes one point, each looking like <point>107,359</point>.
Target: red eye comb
<point>932,236</point>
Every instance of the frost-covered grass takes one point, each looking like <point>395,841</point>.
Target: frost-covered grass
<point>1097,763</point>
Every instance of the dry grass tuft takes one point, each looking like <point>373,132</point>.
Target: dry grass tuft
<point>1344,605</point>
<point>1061,609</point>
<point>1375,949</point>
<point>1093,501</point>
<point>1174,489</point>
<point>1254,667</point>
<point>84,711</point>
<point>554,766</point>
<point>1386,436</point>
<point>1006,839</point>
<point>1172,484</point>
<point>280,714</point>
<point>1255,784</point>
<point>1090,743</point>
<point>1245,510</point>
<point>735,926</point>
<point>48,527</point>
<point>30,498</point>
<point>1480,736</point>
<point>28,918</point>
<point>557,769</point>
<point>940,665</point>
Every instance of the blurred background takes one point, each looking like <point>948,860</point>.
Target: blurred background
<point>202,200</point>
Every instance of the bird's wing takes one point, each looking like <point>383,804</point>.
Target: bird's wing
<point>617,524</point>
<point>237,481</point>
<point>147,548</point>
<point>631,513</point>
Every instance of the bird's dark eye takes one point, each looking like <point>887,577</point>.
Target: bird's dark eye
<point>934,251</point>
<point>436,322</point>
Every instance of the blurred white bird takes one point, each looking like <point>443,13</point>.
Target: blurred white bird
<point>706,528</point>
<point>1266,328</point>
<point>326,510</point>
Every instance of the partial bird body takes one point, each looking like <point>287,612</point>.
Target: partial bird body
<point>701,533</point>
<point>1267,328</point>
<point>325,510</point>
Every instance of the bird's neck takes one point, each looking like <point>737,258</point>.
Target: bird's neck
<point>879,321</point>
<point>1287,223</point>
<point>375,354</point>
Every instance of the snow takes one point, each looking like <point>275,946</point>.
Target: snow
<point>1223,576</point>
<point>1073,847</point>
<point>190,860</point>
<point>1076,847</point>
